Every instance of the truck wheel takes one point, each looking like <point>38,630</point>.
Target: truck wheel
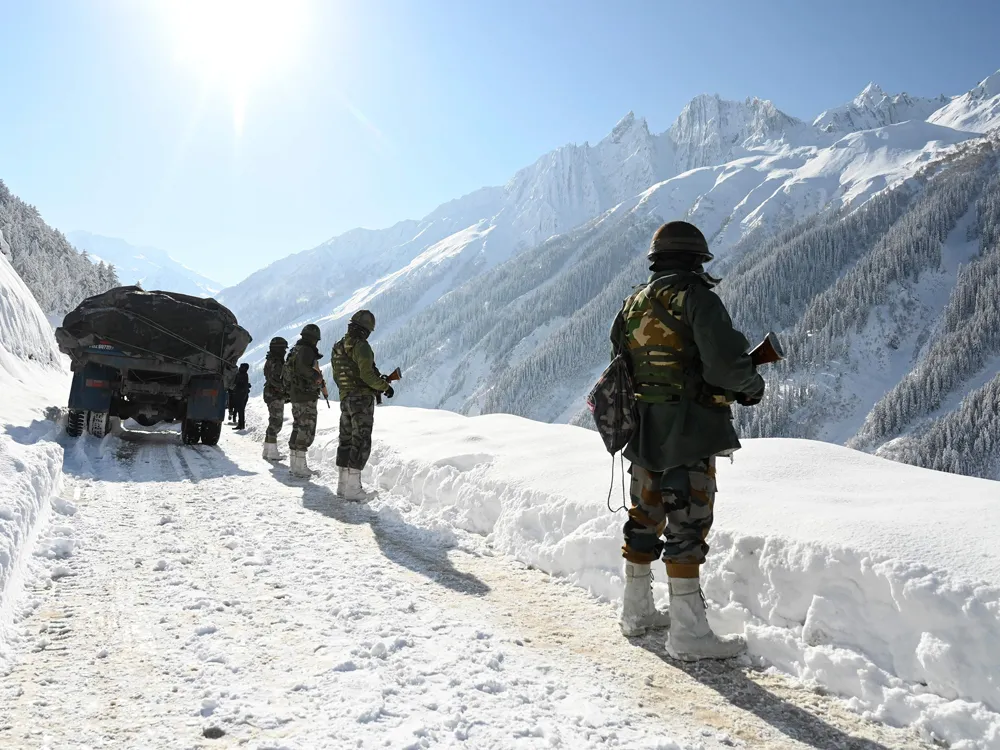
<point>75,422</point>
<point>98,423</point>
<point>210,432</point>
<point>190,432</point>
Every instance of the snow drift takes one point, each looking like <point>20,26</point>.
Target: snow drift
<point>875,580</point>
<point>30,471</point>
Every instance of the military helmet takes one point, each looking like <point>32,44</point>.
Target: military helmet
<point>365,319</point>
<point>678,238</point>
<point>278,343</point>
<point>311,331</point>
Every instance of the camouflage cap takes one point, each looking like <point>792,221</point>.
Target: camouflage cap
<point>278,343</point>
<point>311,331</point>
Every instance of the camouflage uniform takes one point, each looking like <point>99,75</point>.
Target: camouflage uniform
<point>304,381</point>
<point>274,396</point>
<point>304,416</point>
<point>689,364</point>
<point>358,380</point>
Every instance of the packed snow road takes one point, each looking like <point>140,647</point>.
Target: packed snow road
<point>199,597</point>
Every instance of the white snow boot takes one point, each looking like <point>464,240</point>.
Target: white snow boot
<point>299,466</point>
<point>271,452</point>
<point>343,481</point>
<point>355,491</point>
<point>639,612</point>
<point>691,638</point>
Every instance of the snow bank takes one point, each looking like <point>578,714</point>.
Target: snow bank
<point>25,335</point>
<point>29,476</point>
<point>876,580</point>
<point>32,372</point>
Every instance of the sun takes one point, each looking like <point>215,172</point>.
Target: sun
<point>235,44</point>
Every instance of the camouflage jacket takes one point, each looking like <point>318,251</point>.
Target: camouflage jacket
<point>688,363</point>
<point>301,373</point>
<point>274,388</point>
<point>354,371</point>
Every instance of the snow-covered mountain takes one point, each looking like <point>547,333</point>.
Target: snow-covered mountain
<point>500,301</point>
<point>977,111</point>
<point>873,108</point>
<point>148,266</point>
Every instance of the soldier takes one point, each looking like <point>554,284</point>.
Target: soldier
<point>275,396</point>
<point>241,394</point>
<point>689,364</point>
<point>357,378</point>
<point>305,383</point>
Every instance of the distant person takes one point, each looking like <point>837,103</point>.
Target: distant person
<point>231,406</point>
<point>689,364</point>
<point>305,383</point>
<point>241,394</point>
<point>359,381</point>
<point>275,395</point>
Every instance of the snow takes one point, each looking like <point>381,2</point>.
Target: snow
<point>148,266</point>
<point>877,586</point>
<point>874,108</point>
<point>30,471</point>
<point>25,336</point>
<point>977,111</point>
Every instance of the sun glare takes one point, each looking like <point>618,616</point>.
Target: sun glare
<point>236,44</point>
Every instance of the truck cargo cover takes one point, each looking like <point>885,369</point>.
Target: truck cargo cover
<point>156,325</point>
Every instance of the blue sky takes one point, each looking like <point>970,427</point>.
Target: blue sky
<point>380,111</point>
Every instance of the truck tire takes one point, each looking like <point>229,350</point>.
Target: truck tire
<point>210,432</point>
<point>98,423</point>
<point>75,422</point>
<point>190,432</point>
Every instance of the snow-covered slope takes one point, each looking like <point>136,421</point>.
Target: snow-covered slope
<point>873,108</point>
<point>977,111</point>
<point>31,371</point>
<point>152,268</point>
<point>500,301</point>
<point>25,335</point>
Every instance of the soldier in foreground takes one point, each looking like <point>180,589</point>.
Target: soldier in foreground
<point>689,364</point>
<point>357,378</point>
<point>304,384</point>
<point>275,395</point>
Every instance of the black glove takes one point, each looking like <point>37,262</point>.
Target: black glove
<point>389,393</point>
<point>745,399</point>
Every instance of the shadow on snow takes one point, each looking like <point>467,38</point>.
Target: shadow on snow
<point>410,546</point>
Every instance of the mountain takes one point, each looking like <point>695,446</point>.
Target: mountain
<point>977,111</point>
<point>147,266</point>
<point>501,301</point>
<point>57,275</point>
<point>873,108</point>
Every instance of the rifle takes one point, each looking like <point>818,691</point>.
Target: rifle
<point>767,351</point>
<point>393,376</point>
<point>322,388</point>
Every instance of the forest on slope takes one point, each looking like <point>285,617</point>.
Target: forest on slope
<point>58,276</point>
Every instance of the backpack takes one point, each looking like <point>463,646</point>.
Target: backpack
<point>612,401</point>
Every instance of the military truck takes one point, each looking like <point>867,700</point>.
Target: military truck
<point>153,357</point>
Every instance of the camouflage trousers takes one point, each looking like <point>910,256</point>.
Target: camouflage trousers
<point>357,417</point>
<point>676,504</point>
<point>275,420</point>
<point>304,414</point>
